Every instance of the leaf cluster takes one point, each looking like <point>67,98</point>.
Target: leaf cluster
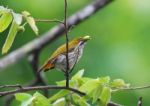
<point>16,22</point>
<point>98,92</point>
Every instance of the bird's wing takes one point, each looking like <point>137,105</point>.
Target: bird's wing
<point>46,67</point>
<point>62,49</point>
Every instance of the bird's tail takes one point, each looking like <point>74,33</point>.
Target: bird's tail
<point>45,67</point>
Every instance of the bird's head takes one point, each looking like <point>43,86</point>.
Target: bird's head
<point>78,41</point>
<point>85,38</point>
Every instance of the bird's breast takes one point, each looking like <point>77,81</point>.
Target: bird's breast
<point>73,57</point>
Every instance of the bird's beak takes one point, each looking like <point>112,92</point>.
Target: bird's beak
<point>86,38</point>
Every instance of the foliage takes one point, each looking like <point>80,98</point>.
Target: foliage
<point>7,17</point>
<point>98,92</point>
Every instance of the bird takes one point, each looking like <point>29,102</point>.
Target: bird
<point>58,58</point>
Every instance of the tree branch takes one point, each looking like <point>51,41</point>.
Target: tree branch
<point>52,34</point>
<point>34,61</point>
<point>9,98</point>
<point>11,86</point>
<point>25,89</point>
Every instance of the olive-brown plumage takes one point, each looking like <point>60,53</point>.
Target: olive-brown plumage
<point>58,58</point>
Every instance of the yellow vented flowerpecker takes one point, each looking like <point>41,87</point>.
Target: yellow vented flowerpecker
<point>58,58</point>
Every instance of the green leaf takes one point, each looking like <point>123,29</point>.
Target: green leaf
<point>96,93</point>
<point>76,80</point>
<point>58,95</point>
<point>61,83</point>
<point>27,102</point>
<point>83,103</point>
<point>78,75</point>
<point>60,102</point>
<point>26,13</point>
<point>105,96</point>
<point>17,18</point>
<point>36,100</point>
<point>3,9</point>
<point>30,21</point>
<point>85,79</point>
<point>104,80</point>
<point>40,100</point>
<point>72,83</point>
<point>5,21</point>
<point>22,96</point>
<point>119,83</point>
<point>75,97</point>
<point>32,24</point>
<point>79,100</point>
<point>10,38</point>
<point>89,85</point>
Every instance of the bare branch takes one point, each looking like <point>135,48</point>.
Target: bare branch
<point>9,98</point>
<point>11,86</point>
<point>52,34</point>
<point>67,40</point>
<point>25,89</point>
<point>136,88</point>
<point>34,61</point>
<point>47,20</point>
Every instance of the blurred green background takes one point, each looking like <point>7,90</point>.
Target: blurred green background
<point>119,47</point>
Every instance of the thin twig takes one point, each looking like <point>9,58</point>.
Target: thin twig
<point>47,20</point>
<point>25,89</point>
<point>136,88</point>
<point>10,98</point>
<point>11,86</point>
<point>67,46</point>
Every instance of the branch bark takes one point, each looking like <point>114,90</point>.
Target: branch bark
<point>34,60</point>
<point>52,34</point>
<point>25,89</point>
